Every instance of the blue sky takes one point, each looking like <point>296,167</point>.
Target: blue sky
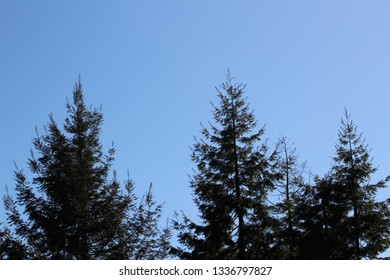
<point>154,65</point>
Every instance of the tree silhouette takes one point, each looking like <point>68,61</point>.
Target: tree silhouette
<point>71,209</point>
<point>10,248</point>
<point>321,212</point>
<point>368,221</point>
<point>339,216</point>
<point>231,185</point>
<point>290,190</point>
<point>147,241</point>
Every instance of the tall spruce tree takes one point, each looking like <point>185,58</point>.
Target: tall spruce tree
<point>368,223</point>
<point>71,209</point>
<point>230,187</point>
<point>339,216</point>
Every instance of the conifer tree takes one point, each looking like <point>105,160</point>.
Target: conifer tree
<point>368,223</point>
<point>71,209</point>
<point>340,217</point>
<point>234,175</point>
<point>10,248</point>
<point>147,240</point>
<point>321,211</point>
<point>290,190</point>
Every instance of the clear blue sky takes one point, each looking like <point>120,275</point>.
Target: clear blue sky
<point>154,65</point>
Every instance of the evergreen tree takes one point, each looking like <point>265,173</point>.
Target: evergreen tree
<point>148,241</point>
<point>368,222</point>
<point>290,192</point>
<point>339,216</point>
<point>231,185</point>
<point>10,249</point>
<point>321,211</point>
<point>72,210</point>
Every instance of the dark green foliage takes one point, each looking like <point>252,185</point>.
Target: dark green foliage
<point>368,221</point>
<point>147,241</point>
<point>10,248</point>
<point>339,216</point>
<point>71,210</point>
<point>290,190</point>
<point>320,211</point>
<point>233,178</point>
